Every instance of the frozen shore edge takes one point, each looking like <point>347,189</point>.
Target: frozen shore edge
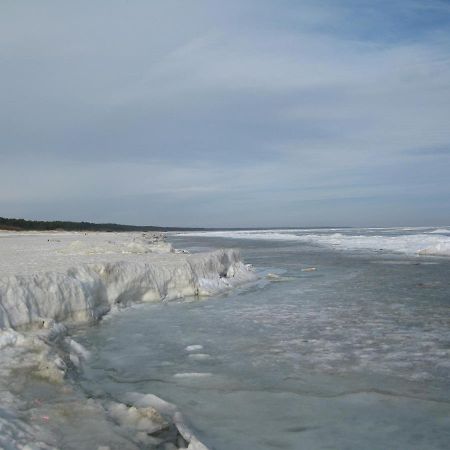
<point>87,292</point>
<point>34,309</point>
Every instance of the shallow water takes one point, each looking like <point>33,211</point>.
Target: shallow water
<point>352,355</point>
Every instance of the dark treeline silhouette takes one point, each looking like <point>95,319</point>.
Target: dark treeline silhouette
<point>40,225</point>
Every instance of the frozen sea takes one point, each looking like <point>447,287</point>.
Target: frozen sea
<point>343,343</point>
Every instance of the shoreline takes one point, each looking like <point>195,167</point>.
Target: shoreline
<point>75,288</point>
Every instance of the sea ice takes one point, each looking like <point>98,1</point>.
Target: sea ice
<point>192,375</point>
<point>193,348</point>
<point>200,356</point>
<point>50,278</point>
<point>84,288</point>
<point>421,243</point>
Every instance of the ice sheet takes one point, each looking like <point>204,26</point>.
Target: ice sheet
<point>426,242</point>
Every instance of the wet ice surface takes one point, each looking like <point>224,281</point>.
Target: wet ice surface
<point>353,355</point>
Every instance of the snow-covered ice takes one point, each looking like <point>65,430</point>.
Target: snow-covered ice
<point>410,241</point>
<point>51,278</point>
<point>40,279</point>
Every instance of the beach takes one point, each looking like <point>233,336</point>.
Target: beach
<point>53,282</point>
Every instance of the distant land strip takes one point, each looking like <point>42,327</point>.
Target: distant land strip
<point>63,225</point>
<point>41,225</point>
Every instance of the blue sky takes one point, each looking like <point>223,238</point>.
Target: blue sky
<point>236,113</point>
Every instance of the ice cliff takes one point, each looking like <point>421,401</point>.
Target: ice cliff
<point>87,291</point>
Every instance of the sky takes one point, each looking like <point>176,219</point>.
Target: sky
<point>237,113</point>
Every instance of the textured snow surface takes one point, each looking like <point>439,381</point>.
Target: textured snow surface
<point>50,278</point>
<point>28,253</point>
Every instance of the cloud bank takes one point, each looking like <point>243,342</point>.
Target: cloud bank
<point>208,113</point>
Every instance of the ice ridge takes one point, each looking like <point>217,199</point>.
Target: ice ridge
<point>86,292</point>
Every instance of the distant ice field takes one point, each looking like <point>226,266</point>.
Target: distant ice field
<point>409,241</point>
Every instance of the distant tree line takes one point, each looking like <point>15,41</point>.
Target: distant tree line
<point>40,225</point>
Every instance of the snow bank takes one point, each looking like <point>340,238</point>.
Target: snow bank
<point>87,292</point>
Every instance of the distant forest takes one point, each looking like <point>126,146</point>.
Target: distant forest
<point>39,225</point>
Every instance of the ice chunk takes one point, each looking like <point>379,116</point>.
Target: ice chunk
<point>186,432</point>
<point>200,356</point>
<point>439,249</point>
<point>9,338</point>
<point>146,419</point>
<point>79,349</point>
<point>193,348</point>
<point>150,400</point>
<point>192,375</point>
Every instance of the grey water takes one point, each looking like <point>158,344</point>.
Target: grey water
<point>352,355</point>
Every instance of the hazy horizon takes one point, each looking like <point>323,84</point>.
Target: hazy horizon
<point>279,227</point>
<point>252,114</point>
